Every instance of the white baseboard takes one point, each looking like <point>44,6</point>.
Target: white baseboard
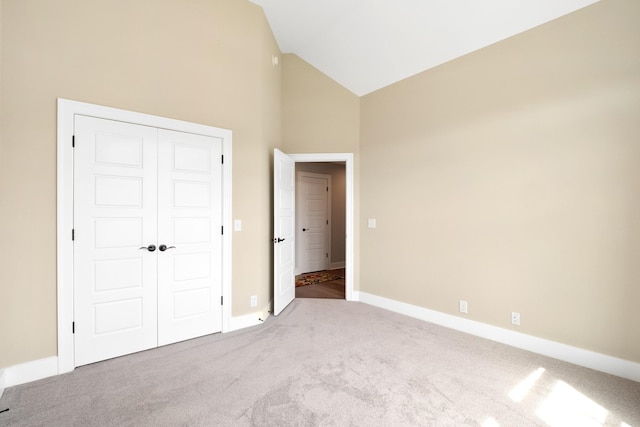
<point>1,382</point>
<point>578,356</point>
<point>248,320</point>
<point>43,368</point>
<point>355,296</point>
<point>30,371</point>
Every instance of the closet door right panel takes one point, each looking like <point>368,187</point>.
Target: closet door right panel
<point>189,226</point>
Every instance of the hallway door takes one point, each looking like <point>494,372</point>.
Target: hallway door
<point>312,224</point>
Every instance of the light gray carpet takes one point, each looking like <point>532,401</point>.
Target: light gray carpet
<point>329,363</point>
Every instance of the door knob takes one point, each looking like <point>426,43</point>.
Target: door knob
<point>150,248</point>
<point>278,240</point>
<point>164,247</point>
<point>305,229</point>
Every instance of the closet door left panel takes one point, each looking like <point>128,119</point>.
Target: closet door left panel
<point>115,228</point>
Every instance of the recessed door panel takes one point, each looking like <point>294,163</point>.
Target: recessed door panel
<point>118,191</point>
<point>191,158</point>
<point>317,205</point>
<point>118,149</point>
<point>194,302</point>
<point>286,225</point>
<point>191,266</point>
<point>114,274</point>
<point>118,232</point>
<point>193,194</point>
<point>191,230</point>
<point>118,316</point>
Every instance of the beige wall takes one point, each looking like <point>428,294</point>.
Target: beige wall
<point>202,61</point>
<point>338,206</point>
<point>320,116</point>
<point>508,178</point>
<point>511,178</point>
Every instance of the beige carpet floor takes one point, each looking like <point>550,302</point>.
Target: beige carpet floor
<point>329,363</point>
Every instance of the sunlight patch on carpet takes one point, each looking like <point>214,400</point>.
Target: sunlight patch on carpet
<point>566,406</point>
<point>490,422</point>
<point>522,389</point>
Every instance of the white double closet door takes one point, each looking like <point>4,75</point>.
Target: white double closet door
<point>147,245</point>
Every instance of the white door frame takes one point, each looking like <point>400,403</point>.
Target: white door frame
<point>66,111</point>
<point>327,238</point>
<point>349,208</point>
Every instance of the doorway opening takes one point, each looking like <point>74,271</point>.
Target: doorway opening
<point>284,235</point>
<point>320,230</point>
<point>349,247</point>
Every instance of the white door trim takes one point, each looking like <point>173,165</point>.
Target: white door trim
<point>66,111</point>
<point>327,239</point>
<point>350,236</point>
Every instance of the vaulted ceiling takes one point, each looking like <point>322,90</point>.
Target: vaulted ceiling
<point>368,44</point>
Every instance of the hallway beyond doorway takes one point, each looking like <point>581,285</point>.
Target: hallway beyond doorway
<point>329,289</point>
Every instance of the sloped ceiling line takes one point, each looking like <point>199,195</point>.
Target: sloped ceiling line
<point>366,45</point>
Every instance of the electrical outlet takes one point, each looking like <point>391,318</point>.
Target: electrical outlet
<point>254,300</point>
<point>463,306</point>
<point>515,318</point>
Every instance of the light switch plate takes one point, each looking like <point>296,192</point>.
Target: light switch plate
<point>237,225</point>
<point>371,223</point>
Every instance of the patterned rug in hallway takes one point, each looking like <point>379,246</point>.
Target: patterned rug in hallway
<point>319,277</point>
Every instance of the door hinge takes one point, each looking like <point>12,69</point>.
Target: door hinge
<point>222,229</point>
<point>326,255</point>
<point>327,222</point>
<point>73,327</point>
<point>221,300</point>
<point>327,188</point>
<point>73,141</point>
<point>222,159</point>
<point>73,234</point>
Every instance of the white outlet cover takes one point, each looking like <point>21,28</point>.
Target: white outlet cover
<point>515,318</point>
<point>254,301</point>
<point>463,306</point>
<point>237,225</point>
<point>371,223</point>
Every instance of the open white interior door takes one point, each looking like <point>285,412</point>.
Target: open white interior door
<point>284,290</point>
